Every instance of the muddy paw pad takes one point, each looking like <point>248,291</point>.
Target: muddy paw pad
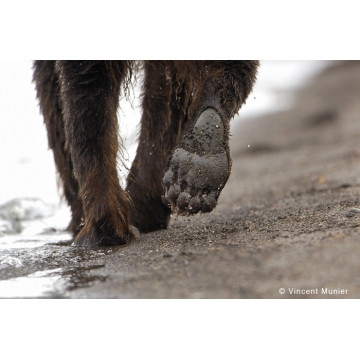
<point>199,167</point>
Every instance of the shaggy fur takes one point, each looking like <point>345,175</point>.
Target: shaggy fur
<point>79,101</point>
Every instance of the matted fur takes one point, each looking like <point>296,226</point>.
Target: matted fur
<point>79,101</point>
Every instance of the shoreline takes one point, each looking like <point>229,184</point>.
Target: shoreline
<point>288,218</point>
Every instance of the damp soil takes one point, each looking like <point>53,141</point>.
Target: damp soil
<point>288,218</point>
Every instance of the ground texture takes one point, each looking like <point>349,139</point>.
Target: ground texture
<point>289,216</point>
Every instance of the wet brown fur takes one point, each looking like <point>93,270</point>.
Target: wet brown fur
<point>79,101</point>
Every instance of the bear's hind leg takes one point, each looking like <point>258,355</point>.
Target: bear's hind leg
<point>48,92</point>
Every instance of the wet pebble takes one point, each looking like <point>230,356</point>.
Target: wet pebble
<point>354,210</point>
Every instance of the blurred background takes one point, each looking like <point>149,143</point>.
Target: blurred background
<point>28,170</point>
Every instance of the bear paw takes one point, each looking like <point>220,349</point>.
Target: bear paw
<point>199,168</point>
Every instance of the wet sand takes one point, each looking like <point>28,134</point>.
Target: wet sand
<point>288,218</point>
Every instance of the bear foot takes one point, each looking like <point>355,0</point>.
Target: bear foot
<point>199,168</point>
<point>99,236</point>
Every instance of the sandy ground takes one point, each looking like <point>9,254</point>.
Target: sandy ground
<point>289,217</point>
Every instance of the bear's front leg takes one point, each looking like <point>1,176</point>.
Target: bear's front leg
<point>200,165</point>
<point>90,95</point>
